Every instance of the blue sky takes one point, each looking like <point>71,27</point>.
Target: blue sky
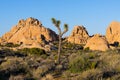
<point>95,15</point>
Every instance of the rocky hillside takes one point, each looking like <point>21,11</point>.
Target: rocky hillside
<point>29,31</point>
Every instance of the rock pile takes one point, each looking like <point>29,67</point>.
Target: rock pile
<point>29,31</point>
<point>79,35</point>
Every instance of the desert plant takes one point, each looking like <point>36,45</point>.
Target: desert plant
<point>92,74</point>
<point>33,51</point>
<point>87,49</point>
<point>11,45</point>
<point>13,66</point>
<point>57,25</point>
<point>80,62</point>
<point>109,62</point>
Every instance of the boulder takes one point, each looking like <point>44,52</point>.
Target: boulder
<point>97,42</point>
<point>28,32</point>
<point>79,35</point>
<point>113,32</point>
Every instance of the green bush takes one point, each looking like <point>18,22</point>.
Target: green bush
<point>82,63</point>
<point>34,51</point>
<point>69,45</point>
<point>87,49</point>
<point>11,45</point>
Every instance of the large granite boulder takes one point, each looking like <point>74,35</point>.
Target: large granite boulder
<point>113,32</point>
<point>79,35</point>
<point>29,31</point>
<point>97,42</point>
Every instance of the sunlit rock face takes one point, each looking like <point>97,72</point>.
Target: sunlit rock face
<point>29,31</point>
<point>97,42</point>
<point>113,32</point>
<point>79,35</point>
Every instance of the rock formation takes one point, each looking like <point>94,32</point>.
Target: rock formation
<point>113,32</point>
<point>79,35</point>
<point>28,32</point>
<point>97,42</point>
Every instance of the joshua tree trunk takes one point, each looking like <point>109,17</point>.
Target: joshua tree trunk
<point>57,24</point>
<point>59,49</point>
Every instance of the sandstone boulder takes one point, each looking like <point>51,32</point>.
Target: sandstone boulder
<point>97,42</point>
<point>113,32</point>
<point>29,31</point>
<point>79,35</point>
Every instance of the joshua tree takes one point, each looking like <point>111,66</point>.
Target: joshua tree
<point>57,25</point>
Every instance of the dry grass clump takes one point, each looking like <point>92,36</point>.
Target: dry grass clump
<point>109,62</point>
<point>48,77</point>
<point>92,74</point>
<point>82,62</point>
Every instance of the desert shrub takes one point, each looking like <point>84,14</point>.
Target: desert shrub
<point>114,51</point>
<point>80,64</point>
<point>109,62</point>
<point>73,46</point>
<point>13,66</point>
<point>48,77</point>
<point>55,57</point>
<point>55,43</point>
<point>66,75</point>
<point>6,52</point>
<point>37,51</point>
<point>19,54</point>
<point>11,45</point>
<point>33,51</point>
<point>18,77</point>
<point>69,45</point>
<point>87,49</point>
<point>43,69</point>
<point>77,65</point>
<point>116,77</point>
<point>93,74</point>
